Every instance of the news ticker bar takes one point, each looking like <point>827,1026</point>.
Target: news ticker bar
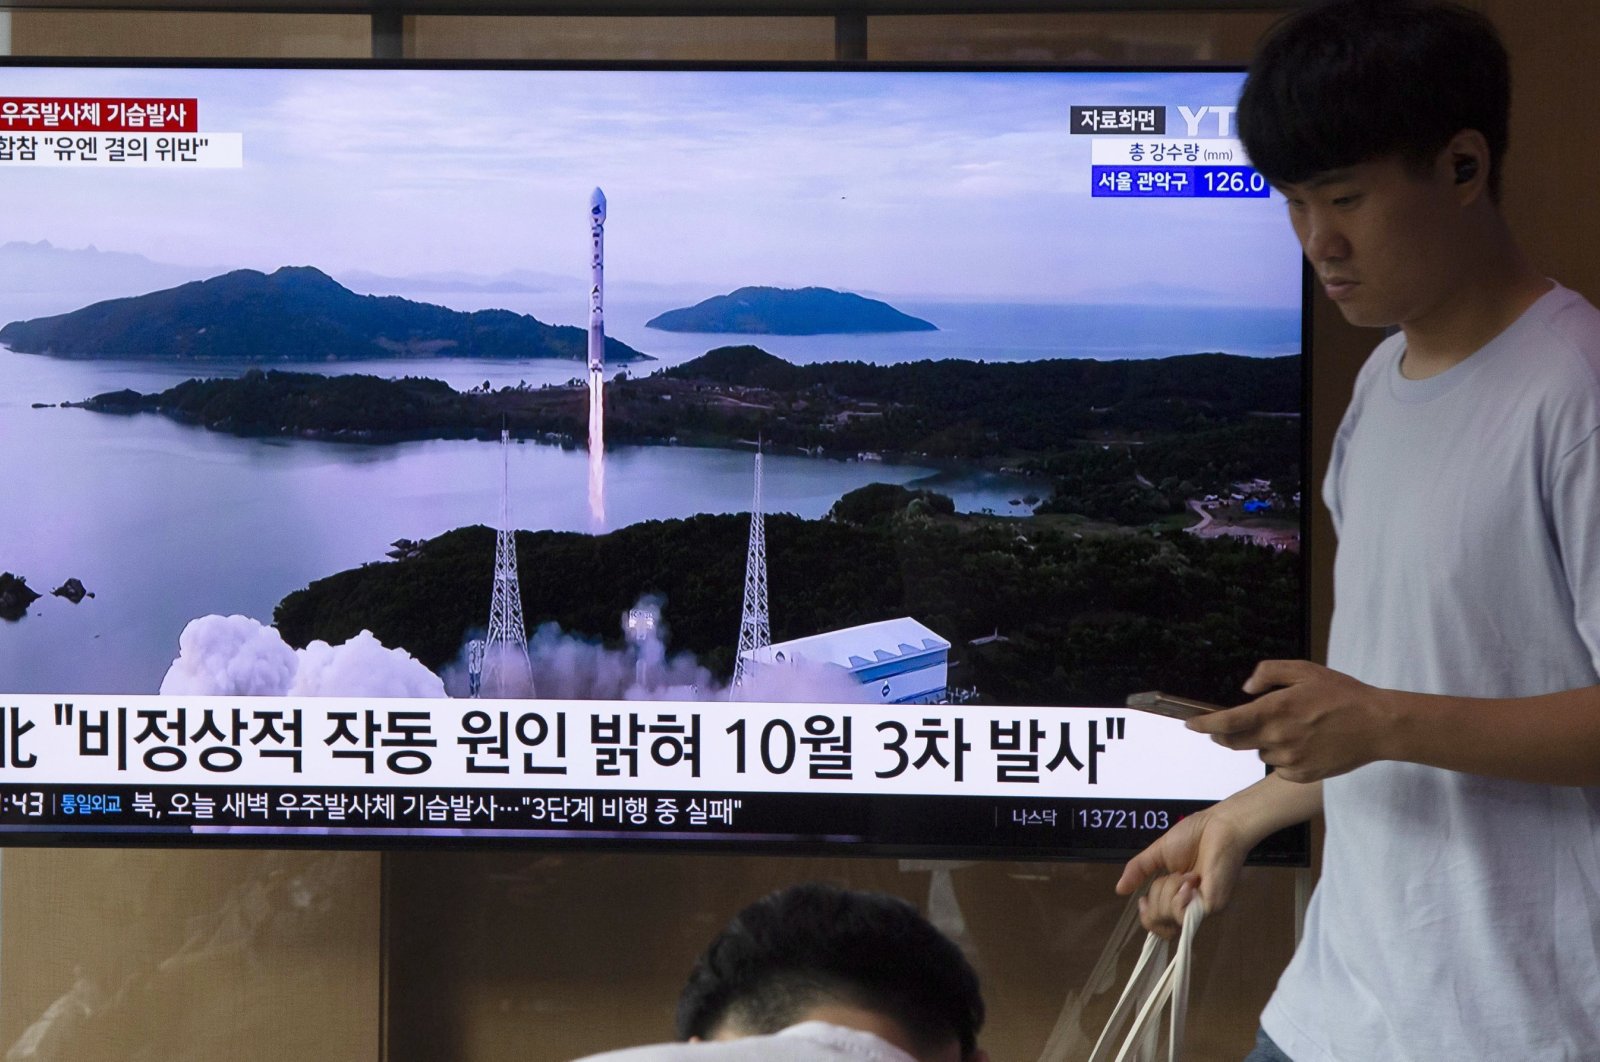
<point>217,813</point>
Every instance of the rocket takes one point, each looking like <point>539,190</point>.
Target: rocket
<point>597,359</point>
<point>597,280</point>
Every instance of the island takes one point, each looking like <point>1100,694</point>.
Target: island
<point>73,590</point>
<point>1037,610</point>
<point>789,312</point>
<point>295,314</point>
<point>15,596</point>
<point>1208,437</point>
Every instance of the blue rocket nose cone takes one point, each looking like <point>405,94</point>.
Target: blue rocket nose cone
<point>597,204</point>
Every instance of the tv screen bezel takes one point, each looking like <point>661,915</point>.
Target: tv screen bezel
<point>1290,847</point>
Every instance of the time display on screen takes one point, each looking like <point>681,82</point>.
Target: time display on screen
<point>27,803</point>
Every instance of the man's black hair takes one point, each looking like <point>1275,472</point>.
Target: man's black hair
<point>812,944</point>
<point>1352,81</point>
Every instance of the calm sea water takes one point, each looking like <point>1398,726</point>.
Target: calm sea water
<point>166,522</point>
<point>986,331</point>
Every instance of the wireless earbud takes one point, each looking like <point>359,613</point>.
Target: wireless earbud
<point>1466,170</point>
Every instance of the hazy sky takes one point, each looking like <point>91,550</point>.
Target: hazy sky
<point>945,185</point>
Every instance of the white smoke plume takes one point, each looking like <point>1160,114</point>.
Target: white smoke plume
<point>229,656</point>
<point>239,656</point>
<point>570,667</point>
<point>803,680</point>
<point>362,667</point>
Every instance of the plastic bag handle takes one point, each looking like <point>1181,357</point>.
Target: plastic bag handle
<point>1154,984</point>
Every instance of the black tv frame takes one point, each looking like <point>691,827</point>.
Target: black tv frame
<point>1289,848</point>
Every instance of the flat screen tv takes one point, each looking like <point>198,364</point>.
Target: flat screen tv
<point>781,459</point>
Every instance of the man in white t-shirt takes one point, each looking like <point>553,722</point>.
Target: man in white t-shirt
<point>815,973</point>
<point>1453,746</point>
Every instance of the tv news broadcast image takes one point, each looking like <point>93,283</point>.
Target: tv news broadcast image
<point>790,459</point>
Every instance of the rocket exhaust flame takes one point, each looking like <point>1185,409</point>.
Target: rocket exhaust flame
<point>597,451</point>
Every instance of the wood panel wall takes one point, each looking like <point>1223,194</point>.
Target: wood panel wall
<point>269,955</point>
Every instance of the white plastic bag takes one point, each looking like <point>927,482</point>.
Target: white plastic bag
<point>1155,984</point>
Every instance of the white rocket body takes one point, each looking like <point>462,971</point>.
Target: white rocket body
<point>597,281</point>
<point>597,360</point>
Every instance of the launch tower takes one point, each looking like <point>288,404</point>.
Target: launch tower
<point>755,628</point>
<point>505,653</point>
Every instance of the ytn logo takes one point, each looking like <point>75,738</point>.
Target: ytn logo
<point>1193,119</point>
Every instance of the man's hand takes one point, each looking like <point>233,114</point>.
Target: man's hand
<point>1202,853</point>
<point>1307,721</point>
<point>1205,851</point>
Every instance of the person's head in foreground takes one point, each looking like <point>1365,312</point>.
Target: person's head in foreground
<point>1384,123</point>
<point>859,960</point>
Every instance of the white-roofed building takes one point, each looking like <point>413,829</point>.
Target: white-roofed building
<point>902,661</point>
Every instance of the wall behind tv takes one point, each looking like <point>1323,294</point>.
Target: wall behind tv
<point>266,955</point>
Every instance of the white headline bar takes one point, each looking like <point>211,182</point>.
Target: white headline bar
<point>906,750</point>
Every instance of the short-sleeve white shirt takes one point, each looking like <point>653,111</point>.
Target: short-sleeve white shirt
<point>1458,916</point>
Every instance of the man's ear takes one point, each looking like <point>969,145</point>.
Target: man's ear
<point>1466,157</point>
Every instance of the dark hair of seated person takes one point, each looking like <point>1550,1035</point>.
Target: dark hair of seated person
<point>810,945</point>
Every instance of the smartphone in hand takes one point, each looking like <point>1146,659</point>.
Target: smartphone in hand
<point>1170,706</point>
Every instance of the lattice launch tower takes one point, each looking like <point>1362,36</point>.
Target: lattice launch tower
<point>505,652</point>
<point>755,627</point>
